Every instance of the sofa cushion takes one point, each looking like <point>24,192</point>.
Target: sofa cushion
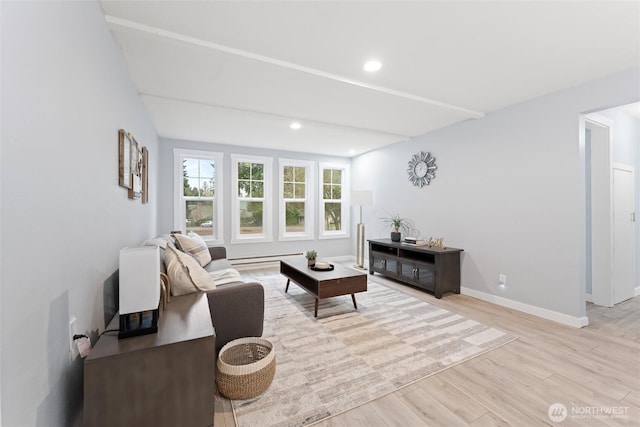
<point>195,246</point>
<point>186,274</point>
<point>217,264</point>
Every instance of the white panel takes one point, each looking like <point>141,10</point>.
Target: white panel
<point>601,214</point>
<point>623,234</point>
<point>139,279</point>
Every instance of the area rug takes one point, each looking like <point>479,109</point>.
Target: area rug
<point>347,357</point>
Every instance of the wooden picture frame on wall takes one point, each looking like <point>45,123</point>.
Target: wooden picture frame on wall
<point>133,165</point>
<point>145,175</point>
<point>124,157</point>
<point>135,191</point>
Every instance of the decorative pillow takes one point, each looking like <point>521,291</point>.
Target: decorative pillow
<point>186,275</point>
<point>194,246</point>
<point>160,241</point>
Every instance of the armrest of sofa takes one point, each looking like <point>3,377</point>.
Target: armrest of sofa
<point>237,311</point>
<point>217,252</point>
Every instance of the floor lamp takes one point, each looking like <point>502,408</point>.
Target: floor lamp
<point>361,198</point>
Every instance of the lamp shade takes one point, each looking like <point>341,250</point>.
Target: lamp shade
<point>139,279</point>
<point>362,198</point>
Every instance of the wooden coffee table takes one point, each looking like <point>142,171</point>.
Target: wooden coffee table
<point>324,284</point>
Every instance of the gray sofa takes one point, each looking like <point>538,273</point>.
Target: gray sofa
<point>237,308</point>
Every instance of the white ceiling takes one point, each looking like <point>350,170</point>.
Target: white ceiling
<point>632,109</point>
<point>240,72</point>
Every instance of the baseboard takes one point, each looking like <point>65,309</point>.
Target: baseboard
<point>588,297</point>
<point>342,258</point>
<point>273,261</point>
<point>576,322</point>
<point>257,266</point>
<point>636,291</point>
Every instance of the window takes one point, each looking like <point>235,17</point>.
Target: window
<point>251,209</point>
<point>334,200</point>
<point>198,186</point>
<point>296,199</point>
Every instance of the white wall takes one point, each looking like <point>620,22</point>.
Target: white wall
<point>0,219</point>
<point>325,247</point>
<point>64,218</point>
<point>509,190</point>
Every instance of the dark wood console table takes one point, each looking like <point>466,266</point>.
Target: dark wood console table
<point>433,269</point>
<point>162,379</point>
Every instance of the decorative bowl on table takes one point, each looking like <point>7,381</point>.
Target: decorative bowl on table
<point>320,265</point>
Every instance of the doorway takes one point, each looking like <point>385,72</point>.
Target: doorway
<point>611,232</point>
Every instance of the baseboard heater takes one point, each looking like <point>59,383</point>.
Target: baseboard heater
<point>261,260</point>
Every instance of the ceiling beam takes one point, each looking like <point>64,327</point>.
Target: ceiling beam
<point>399,136</point>
<point>124,23</point>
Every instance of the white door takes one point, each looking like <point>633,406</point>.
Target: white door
<point>623,233</point>
<point>600,256</point>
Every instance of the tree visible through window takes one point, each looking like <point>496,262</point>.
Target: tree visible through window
<point>332,198</point>
<point>251,197</point>
<point>295,195</point>
<point>198,195</point>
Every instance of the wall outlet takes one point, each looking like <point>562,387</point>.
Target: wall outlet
<point>502,279</point>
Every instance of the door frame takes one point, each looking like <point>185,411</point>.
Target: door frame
<point>602,260</point>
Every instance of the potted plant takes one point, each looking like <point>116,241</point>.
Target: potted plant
<point>311,257</point>
<point>397,225</point>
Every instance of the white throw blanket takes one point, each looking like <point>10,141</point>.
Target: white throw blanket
<point>225,276</point>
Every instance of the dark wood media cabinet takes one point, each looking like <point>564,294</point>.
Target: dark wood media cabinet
<point>432,269</point>
<point>162,379</point>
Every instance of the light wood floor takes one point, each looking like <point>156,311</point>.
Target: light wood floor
<point>590,369</point>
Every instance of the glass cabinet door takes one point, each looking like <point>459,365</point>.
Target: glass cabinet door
<point>419,274</point>
<point>385,265</point>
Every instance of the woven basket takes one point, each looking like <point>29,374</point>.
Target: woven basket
<point>246,367</point>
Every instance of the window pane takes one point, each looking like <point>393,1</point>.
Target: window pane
<point>207,169</point>
<point>244,188</point>
<point>336,192</point>
<point>287,191</point>
<point>250,217</point>
<point>288,174</point>
<point>332,219</point>
<point>336,176</point>
<point>206,188</point>
<point>190,168</point>
<point>326,191</point>
<point>300,193</point>
<point>244,170</point>
<point>295,217</point>
<point>199,217</point>
<point>326,176</point>
<point>191,186</point>
<point>257,171</point>
<point>300,174</point>
<point>257,189</point>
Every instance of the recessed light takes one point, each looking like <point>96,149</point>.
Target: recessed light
<point>352,152</point>
<point>372,66</point>
<point>295,125</point>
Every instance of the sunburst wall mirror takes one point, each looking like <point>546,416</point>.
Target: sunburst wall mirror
<point>422,169</point>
